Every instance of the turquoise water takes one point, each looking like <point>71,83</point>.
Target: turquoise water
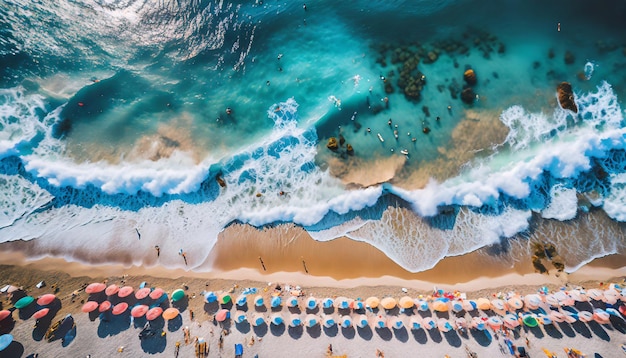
<point>119,115</point>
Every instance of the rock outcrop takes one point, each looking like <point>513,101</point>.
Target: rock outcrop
<point>566,97</point>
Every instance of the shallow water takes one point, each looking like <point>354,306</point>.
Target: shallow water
<point>116,121</point>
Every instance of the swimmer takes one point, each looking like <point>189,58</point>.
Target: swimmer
<point>304,7</point>
<point>229,111</point>
<point>267,83</point>
<point>369,130</point>
<point>389,122</point>
<point>558,27</point>
<point>280,55</point>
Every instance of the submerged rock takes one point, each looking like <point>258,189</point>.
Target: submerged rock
<point>569,58</point>
<point>349,149</point>
<point>566,97</point>
<point>468,96</point>
<point>470,77</point>
<point>332,143</point>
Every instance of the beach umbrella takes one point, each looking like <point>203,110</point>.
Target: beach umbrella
<point>24,302</point>
<point>210,297</point>
<point>511,321</point>
<point>515,303</point>
<point>277,319</point>
<point>311,320</point>
<point>240,316</point>
<point>142,293</point>
<point>483,304</point>
<point>328,321</point>
<point>551,300</point>
<point>457,306</point>
<point>532,301</point>
<point>41,313</point>
<point>498,305</point>
<point>125,291</point>
<point>342,302</point>
<point>311,303</point>
<point>406,302</point>
<point>429,323</point>
<point>396,323</point>
<point>104,306</point>
<point>258,301</point>
<point>111,289</point>
<point>444,325</point>
<point>327,303</point>
<point>622,310</point>
<point>585,316</point>
<point>388,303</point>
<point>357,305</point>
<point>4,314</point>
<point>530,320</point>
<point>544,319</point>
<point>478,323</point>
<point>622,294</point>
<point>601,316</point>
<point>95,287</point>
<point>379,322</point>
<point>119,308</point>
<point>275,302</point>
<point>294,320</point>
<point>241,300</point>
<point>222,315</point>
<point>556,316</point>
<point>460,322</point>
<point>139,311</point>
<point>611,296</point>
<point>469,305</point>
<point>495,322</point>
<point>422,305</point>
<point>170,313</point>
<point>345,321</point>
<point>90,306</point>
<point>595,294</point>
<point>5,341</point>
<point>578,296</point>
<point>613,312</point>
<point>156,293</point>
<point>372,302</point>
<point>440,306</point>
<point>178,295</point>
<point>362,321</point>
<point>292,302</point>
<point>225,298</point>
<point>563,298</point>
<point>570,317</point>
<point>46,299</point>
<point>415,322</point>
<point>258,320</point>
<point>154,313</point>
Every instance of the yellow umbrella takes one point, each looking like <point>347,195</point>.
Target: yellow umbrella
<point>388,303</point>
<point>372,302</point>
<point>406,302</point>
<point>483,304</point>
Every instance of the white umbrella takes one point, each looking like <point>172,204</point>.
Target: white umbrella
<point>328,321</point>
<point>346,321</point>
<point>362,321</point>
<point>396,323</point>
<point>532,301</point>
<point>311,320</point>
<point>415,322</point>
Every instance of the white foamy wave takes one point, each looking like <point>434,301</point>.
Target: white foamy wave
<point>563,204</point>
<point>526,128</point>
<point>615,203</point>
<point>19,119</point>
<point>19,198</point>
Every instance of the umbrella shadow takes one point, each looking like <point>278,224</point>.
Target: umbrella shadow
<point>181,304</point>
<point>348,332</point>
<point>243,327</point>
<point>95,314</point>
<point>567,330</point>
<point>294,310</point>
<point>69,337</point>
<point>453,338</point>
<point>155,344</point>
<point>296,332</point>
<point>97,296</point>
<point>425,314</point>
<point>67,324</point>
<point>583,306</point>
<point>260,330</point>
<point>261,308</point>
<point>365,332</point>
<point>41,327</point>
<point>27,312</point>
<point>343,311</point>
<point>420,336</point>
<point>139,322</point>
<point>175,323</point>
<point>435,335</point>
<point>481,337</point>
<point>243,308</point>
<point>7,325</point>
<point>331,331</point>
<point>599,331</point>
<point>15,349</point>
<point>315,331</point>
<point>328,310</point>
<point>552,331</point>
<point>445,314</point>
<point>17,295</point>
<point>401,334</point>
<point>276,309</point>
<point>314,310</point>
<point>536,331</point>
<point>277,330</point>
<point>227,306</point>
<point>618,323</point>
<point>384,333</point>
<point>211,308</point>
<point>582,329</point>
<point>113,326</point>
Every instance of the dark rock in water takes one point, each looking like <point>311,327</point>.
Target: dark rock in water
<point>470,77</point>
<point>536,64</point>
<point>551,53</point>
<point>426,111</point>
<point>388,88</point>
<point>454,91</point>
<point>566,97</point>
<point>569,58</point>
<point>495,75</point>
<point>538,265</point>
<point>357,126</point>
<point>349,149</point>
<point>220,181</point>
<point>332,143</point>
<point>342,140</point>
<point>501,48</point>
<point>468,96</point>
<point>426,130</point>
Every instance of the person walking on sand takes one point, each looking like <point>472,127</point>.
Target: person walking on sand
<point>158,250</point>
<point>185,257</point>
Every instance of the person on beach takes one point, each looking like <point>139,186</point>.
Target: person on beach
<point>158,250</point>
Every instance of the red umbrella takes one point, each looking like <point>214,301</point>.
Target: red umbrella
<point>156,293</point>
<point>120,308</point>
<point>95,287</point>
<point>111,290</point>
<point>154,313</point>
<point>46,299</point>
<point>622,310</point>
<point>41,313</point>
<point>89,306</point>
<point>4,314</point>
<point>104,306</point>
<point>125,291</point>
<point>221,315</point>
<point>142,293</point>
<point>139,311</point>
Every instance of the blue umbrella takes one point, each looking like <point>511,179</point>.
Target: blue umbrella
<point>241,300</point>
<point>258,301</point>
<point>327,303</point>
<point>276,301</point>
<point>329,321</point>
<point>457,306</point>
<point>240,316</point>
<point>422,305</point>
<point>5,341</point>
<point>210,297</point>
<point>258,320</point>
<point>311,303</point>
<point>277,319</point>
<point>295,320</point>
<point>346,321</point>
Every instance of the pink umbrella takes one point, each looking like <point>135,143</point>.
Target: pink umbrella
<point>125,291</point>
<point>139,311</point>
<point>41,313</point>
<point>154,313</point>
<point>4,314</point>
<point>90,306</point>
<point>46,299</point>
<point>221,315</point>
<point>156,293</point>
<point>142,293</point>
<point>104,306</point>
<point>111,290</point>
<point>95,287</point>
<point>556,316</point>
<point>120,308</point>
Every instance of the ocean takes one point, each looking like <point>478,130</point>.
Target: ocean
<point>133,123</point>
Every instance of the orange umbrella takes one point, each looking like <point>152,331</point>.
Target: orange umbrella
<point>154,313</point>
<point>388,303</point>
<point>372,302</point>
<point>41,313</point>
<point>111,290</point>
<point>46,299</point>
<point>440,306</point>
<point>89,306</point>
<point>171,313</point>
<point>156,293</point>
<point>406,302</point>
<point>142,293</point>
<point>119,308</point>
<point>95,287</point>
<point>125,291</point>
<point>483,304</point>
<point>104,306</point>
<point>139,311</point>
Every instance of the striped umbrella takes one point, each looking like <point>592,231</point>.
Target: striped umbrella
<point>532,301</point>
<point>595,294</point>
<point>495,322</point>
<point>601,316</point>
<point>611,296</point>
<point>469,305</point>
<point>498,305</point>
<point>511,321</point>
<point>585,316</point>
<point>515,303</point>
<point>578,296</point>
<point>563,298</point>
<point>556,316</point>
